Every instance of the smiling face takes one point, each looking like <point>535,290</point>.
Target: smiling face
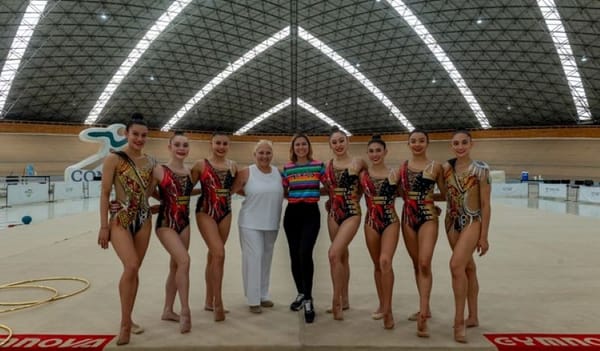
<point>461,145</point>
<point>179,147</point>
<point>417,143</point>
<point>219,145</point>
<point>376,153</point>
<point>338,142</point>
<point>263,155</point>
<point>136,136</point>
<point>301,148</point>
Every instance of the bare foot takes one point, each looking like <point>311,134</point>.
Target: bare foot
<point>124,335</point>
<point>337,310</point>
<point>136,328</point>
<point>377,315</point>
<point>219,312</point>
<point>185,324</point>
<point>460,334</point>
<point>170,316</point>
<point>415,316</point>
<point>330,310</point>
<point>472,322</point>
<point>422,330</point>
<point>388,320</point>
<point>211,309</point>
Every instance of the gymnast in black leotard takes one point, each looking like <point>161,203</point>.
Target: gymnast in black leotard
<point>173,229</point>
<point>418,178</point>
<point>382,227</point>
<point>342,184</point>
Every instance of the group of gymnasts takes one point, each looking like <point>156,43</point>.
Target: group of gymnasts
<point>125,221</point>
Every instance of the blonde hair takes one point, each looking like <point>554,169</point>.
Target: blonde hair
<point>262,142</point>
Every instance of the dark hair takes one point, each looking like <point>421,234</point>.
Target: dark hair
<point>293,156</point>
<point>376,138</point>
<point>217,133</point>
<point>177,133</point>
<point>335,129</point>
<point>136,118</point>
<point>462,131</point>
<point>414,131</point>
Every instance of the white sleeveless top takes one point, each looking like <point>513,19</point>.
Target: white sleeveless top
<point>261,209</point>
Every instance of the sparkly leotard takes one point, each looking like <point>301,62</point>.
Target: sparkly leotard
<point>380,195</point>
<point>418,187</point>
<point>133,182</point>
<point>216,192</point>
<point>175,191</point>
<point>344,193</point>
<point>463,197</point>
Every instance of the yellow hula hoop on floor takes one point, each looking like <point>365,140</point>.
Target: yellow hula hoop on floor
<point>10,333</point>
<point>26,304</point>
<point>25,283</point>
<point>46,279</point>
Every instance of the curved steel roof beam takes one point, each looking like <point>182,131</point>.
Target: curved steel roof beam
<point>30,19</point>
<point>352,70</point>
<point>273,110</point>
<point>442,58</point>
<point>567,60</point>
<point>249,56</point>
<point>155,30</point>
<point>319,45</point>
<point>321,116</point>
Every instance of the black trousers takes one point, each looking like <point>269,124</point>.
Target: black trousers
<point>302,222</point>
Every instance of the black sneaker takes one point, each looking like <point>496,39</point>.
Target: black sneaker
<point>309,311</point>
<point>297,304</point>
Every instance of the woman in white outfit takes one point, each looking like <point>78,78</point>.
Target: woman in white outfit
<point>258,223</point>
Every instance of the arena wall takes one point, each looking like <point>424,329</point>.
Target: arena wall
<point>552,155</point>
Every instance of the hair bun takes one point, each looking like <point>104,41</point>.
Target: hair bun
<point>178,132</point>
<point>376,137</point>
<point>137,116</point>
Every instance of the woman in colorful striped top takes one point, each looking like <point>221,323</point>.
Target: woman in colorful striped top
<point>302,219</point>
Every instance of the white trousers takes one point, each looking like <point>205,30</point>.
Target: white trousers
<point>257,254</point>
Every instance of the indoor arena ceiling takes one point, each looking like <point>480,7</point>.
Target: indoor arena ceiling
<point>367,65</point>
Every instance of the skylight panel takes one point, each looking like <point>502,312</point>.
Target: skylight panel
<point>32,16</point>
<point>229,70</point>
<point>442,58</point>
<point>352,70</point>
<point>567,60</point>
<point>321,115</point>
<point>273,110</point>
<point>155,30</point>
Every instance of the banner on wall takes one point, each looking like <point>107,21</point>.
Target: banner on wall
<point>510,190</point>
<point>555,191</point>
<point>589,194</point>
<point>110,138</point>
<point>20,194</point>
<point>70,190</point>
